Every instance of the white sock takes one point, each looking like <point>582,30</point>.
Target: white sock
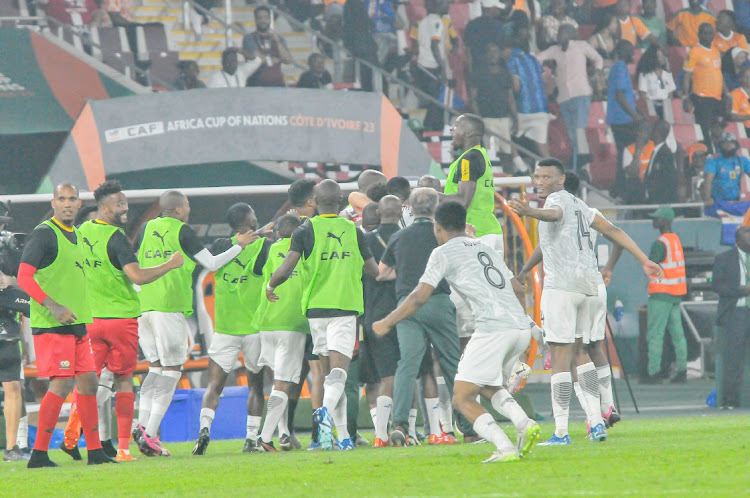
<point>446,410</point>
<point>412,421</point>
<point>333,388</point>
<point>253,425</point>
<point>147,395</point>
<point>163,394</point>
<point>433,412</point>
<point>277,402</point>
<point>590,387</point>
<point>385,405</point>
<point>487,428</point>
<point>605,388</point>
<point>283,425</point>
<point>506,405</point>
<point>561,386</point>
<point>374,417</point>
<point>520,164</point>
<point>104,405</point>
<point>340,419</point>
<point>579,394</point>
<point>207,418</point>
<point>22,438</point>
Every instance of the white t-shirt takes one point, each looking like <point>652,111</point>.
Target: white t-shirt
<point>567,246</point>
<point>221,79</point>
<point>479,275</point>
<point>431,28</point>
<point>649,84</point>
<point>407,218</point>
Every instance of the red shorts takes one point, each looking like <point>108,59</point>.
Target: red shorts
<point>59,355</point>
<point>115,344</point>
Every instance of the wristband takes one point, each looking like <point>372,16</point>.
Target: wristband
<point>269,288</point>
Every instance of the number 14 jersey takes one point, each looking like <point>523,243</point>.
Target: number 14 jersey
<point>479,275</point>
<point>568,246</point>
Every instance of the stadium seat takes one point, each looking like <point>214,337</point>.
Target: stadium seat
<point>603,157</point>
<point>718,5</point>
<point>459,13</point>
<point>672,7</point>
<point>687,134</point>
<point>115,51</point>
<point>597,115</point>
<point>676,57</point>
<point>680,116</point>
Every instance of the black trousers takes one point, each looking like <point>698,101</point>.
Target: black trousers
<point>428,80</point>
<point>624,135</point>
<point>734,343</point>
<point>706,111</point>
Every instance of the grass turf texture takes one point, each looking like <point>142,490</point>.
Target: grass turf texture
<point>669,456</point>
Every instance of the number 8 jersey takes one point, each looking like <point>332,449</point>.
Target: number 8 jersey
<point>568,246</point>
<point>479,275</point>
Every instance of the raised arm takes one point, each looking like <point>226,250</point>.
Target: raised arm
<point>522,208</point>
<point>616,235</point>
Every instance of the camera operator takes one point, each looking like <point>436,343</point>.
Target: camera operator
<point>13,301</point>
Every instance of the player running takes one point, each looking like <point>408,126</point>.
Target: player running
<point>165,304</point>
<point>571,287</point>
<point>334,254</point>
<point>503,332</point>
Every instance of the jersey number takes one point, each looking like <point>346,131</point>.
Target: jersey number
<point>583,232</point>
<point>491,272</point>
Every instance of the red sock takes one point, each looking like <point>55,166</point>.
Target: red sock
<point>89,420</point>
<point>49,412</point>
<point>124,409</point>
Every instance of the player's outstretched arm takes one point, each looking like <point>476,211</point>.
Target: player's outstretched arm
<point>411,305</point>
<point>465,194</point>
<point>609,268</point>
<point>142,276</point>
<point>522,208</point>
<point>281,274</point>
<point>617,236</point>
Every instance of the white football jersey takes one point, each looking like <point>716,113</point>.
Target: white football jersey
<point>568,247</point>
<point>479,275</point>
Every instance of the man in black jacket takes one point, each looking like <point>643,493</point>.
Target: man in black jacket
<point>731,280</point>
<point>661,177</point>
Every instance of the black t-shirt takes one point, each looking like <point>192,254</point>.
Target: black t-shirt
<point>222,245</point>
<point>480,32</point>
<point>471,168</point>
<point>189,240</point>
<point>308,79</point>
<point>303,240</point>
<point>408,251</point>
<point>380,297</point>
<point>493,91</point>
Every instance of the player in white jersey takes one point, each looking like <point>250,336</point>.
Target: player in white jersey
<point>570,285</point>
<point>502,333</point>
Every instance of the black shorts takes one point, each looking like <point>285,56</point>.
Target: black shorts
<point>10,361</point>
<point>309,356</point>
<point>382,352</point>
<point>368,371</point>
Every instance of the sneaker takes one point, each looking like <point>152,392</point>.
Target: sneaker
<point>528,437</point>
<point>39,459</point>
<point>73,430</point>
<point>98,457</point>
<point>379,443</point>
<point>611,417</point>
<point>449,438</point>
<point>140,440</point>
<point>679,378</point>
<point>155,445</point>
<point>598,433</point>
<point>557,441</point>
<point>250,446</point>
<point>499,457</point>
<point>474,439</point>
<point>314,446</point>
<point>109,448</point>
<point>124,457</point>
<point>361,441</point>
<point>420,437</point>
<point>74,452</point>
<point>521,372</point>
<point>263,447</point>
<point>325,428</point>
<point>441,439</point>
<point>347,444</point>
<point>201,444</point>
<point>296,444</point>
<point>15,455</point>
<point>398,438</point>
<point>285,442</point>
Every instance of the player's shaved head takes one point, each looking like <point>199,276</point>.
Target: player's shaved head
<point>473,124</point>
<point>287,224</point>
<point>328,196</point>
<point>174,204</point>
<point>370,217</point>
<point>65,203</point>
<point>62,186</point>
<point>430,181</point>
<point>241,216</point>
<point>368,178</point>
<point>389,208</point>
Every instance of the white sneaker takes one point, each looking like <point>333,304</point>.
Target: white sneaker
<point>499,457</point>
<point>521,372</point>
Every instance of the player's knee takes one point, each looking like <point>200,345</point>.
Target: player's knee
<point>337,375</point>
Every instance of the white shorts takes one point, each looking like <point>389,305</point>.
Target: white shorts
<point>494,241</point>
<point>534,126</point>
<point>334,334</point>
<point>489,356</point>
<point>464,317</point>
<point>283,352</point>
<point>598,312</point>
<point>225,351</point>
<point>164,337</point>
<point>500,127</point>
<point>565,315</point>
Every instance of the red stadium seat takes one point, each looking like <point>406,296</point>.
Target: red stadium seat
<point>676,57</point>
<point>597,115</point>
<point>680,116</point>
<point>672,7</point>
<point>687,134</point>
<point>459,13</point>
<point>717,5</point>
<point>603,157</point>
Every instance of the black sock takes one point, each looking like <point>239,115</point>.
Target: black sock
<point>292,410</point>
<point>314,434</point>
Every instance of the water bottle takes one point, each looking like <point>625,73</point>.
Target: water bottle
<point>619,310</point>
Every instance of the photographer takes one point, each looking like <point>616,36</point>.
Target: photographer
<point>12,302</point>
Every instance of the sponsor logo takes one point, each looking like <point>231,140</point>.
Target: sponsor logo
<point>88,243</point>
<point>134,131</point>
<point>64,365</point>
<point>337,237</point>
<point>161,237</point>
<point>10,89</point>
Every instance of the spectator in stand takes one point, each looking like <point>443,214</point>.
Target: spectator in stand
<point>726,36</point>
<point>359,39</point>
<point>715,131</point>
<point>742,15</point>
<point>270,49</point>
<point>655,82</point>
<point>188,78</point>
<point>548,28</point>
<point>432,71</point>
<point>574,92</point>
<point>662,169</point>
<point>741,100</point>
<point>703,83</point>
<point>317,76</point>
<point>452,42</point>
<point>635,160</point>
<point>76,12</point>
<point>604,40</point>
<point>632,28</point>
<point>622,114</point>
<point>480,32</point>
<point>232,74</point>
<point>531,98</point>
<point>732,63</point>
<point>383,15</point>
<point>723,172</point>
<point>602,11</point>
<point>120,11</point>
<point>653,23</point>
<point>492,97</point>
<point>683,28</point>
<point>691,182</point>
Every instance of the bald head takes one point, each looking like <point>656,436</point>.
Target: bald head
<point>370,217</point>
<point>430,181</point>
<point>66,186</point>
<point>389,208</point>
<point>328,197</point>
<point>174,204</point>
<point>368,178</point>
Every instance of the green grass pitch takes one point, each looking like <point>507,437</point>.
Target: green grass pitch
<point>665,456</point>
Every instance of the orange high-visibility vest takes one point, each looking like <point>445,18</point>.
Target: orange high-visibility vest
<point>645,159</point>
<point>674,282</point>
